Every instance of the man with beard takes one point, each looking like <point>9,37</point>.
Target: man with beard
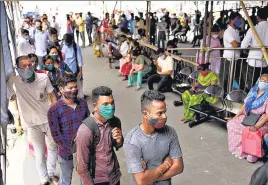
<point>152,148</point>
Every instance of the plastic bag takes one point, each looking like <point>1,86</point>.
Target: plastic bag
<point>252,142</point>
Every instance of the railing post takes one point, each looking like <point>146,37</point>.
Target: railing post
<point>231,74</point>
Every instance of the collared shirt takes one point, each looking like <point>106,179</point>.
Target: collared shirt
<point>70,59</point>
<point>24,47</point>
<point>41,43</point>
<point>107,170</point>
<point>229,36</point>
<point>250,40</point>
<point>32,98</point>
<point>82,24</point>
<point>64,122</point>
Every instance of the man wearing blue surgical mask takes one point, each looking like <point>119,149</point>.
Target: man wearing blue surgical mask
<point>33,95</point>
<point>165,67</point>
<point>152,148</point>
<point>24,46</point>
<point>96,160</point>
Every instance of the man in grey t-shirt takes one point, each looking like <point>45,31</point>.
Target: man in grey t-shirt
<point>152,148</point>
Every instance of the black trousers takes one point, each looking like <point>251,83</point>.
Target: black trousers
<point>162,38</point>
<point>163,81</point>
<point>107,183</point>
<point>77,36</point>
<point>89,32</point>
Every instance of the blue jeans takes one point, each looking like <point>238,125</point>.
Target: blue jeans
<point>66,171</point>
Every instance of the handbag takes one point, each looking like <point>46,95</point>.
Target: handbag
<point>252,142</point>
<point>251,119</point>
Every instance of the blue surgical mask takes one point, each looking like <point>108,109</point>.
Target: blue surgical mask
<point>238,22</point>
<point>263,86</point>
<point>153,121</point>
<point>107,111</point>
<point>49,67</point>
<point>27,37</point>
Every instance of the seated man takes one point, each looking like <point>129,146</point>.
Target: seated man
<point>165,67</point>
<point>195,95</point>
<point>118,51</point>
<point>173,44</point>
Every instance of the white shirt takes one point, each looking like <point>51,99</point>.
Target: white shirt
<point>166,65</point>
<point>41,43</point>
<point>32,98</point>
<point>249,40</point>
<point>229,36</point>
<point>124,49</point>
<point>24,47</point>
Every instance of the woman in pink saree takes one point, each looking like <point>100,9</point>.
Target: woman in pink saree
<point>257,103</point>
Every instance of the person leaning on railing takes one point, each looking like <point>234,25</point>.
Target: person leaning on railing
<point>256,66</point>
<point>195,95</point>
<point>256,104</point>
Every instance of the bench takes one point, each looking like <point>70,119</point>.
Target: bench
<point>206,111</point>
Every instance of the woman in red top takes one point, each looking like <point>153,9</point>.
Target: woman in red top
<point>104,25</point>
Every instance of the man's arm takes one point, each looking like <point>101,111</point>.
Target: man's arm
<point>134,162</point>
<point>247,40</point>
<point>176,154</point>
<point>83,144</point>
<point>52,97</point>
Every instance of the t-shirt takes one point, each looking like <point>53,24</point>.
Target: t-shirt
<point>82,25</point>
<point>152,149</point>
<point>229,36</point>
<point>32,98</point>
<point>167,64</point>
<point>139,60</point>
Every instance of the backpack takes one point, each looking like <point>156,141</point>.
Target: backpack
<point>92,125</point>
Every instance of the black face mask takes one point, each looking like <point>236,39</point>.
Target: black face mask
<point>39,28</point>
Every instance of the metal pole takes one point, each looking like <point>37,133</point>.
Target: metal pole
<point>147,22</point>
<point>205,32</point>
<point>264,51</point>
<point>209,29</point>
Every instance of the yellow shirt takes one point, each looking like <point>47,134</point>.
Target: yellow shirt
<point>82,24</point>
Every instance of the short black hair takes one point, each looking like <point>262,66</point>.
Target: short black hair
<point>203,67</point>
<point>37,20</point>
<point>233,15</point>
<point>215,28</point>
<point>24,31</point>
<point>262,13</point>
<point>80,14</point>
<point>100,91</point>
<point>68,38</point>
<point>53,31</point>
<point>64,79</point>
<point>124,16</point>
<point>149,96</point>
<point>88,13</point>
<point>135,52</point>
<point>21,58</point>
<point>32,55</point>
<point>160,50</point>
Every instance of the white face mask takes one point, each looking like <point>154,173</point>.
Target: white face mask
<point>162,57</point>
<point>215,36</point>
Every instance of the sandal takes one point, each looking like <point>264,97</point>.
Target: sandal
<point>54,180</point>
<point>129,86</point>
<point>137,89</point>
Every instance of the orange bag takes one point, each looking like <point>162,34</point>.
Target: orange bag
<point>252,142</point>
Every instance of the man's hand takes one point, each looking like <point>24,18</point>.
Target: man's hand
<point>117,135</point>
<point>155,62</point>
<point>80,74</point>
<point>143,164</point>
<point>56,65</point>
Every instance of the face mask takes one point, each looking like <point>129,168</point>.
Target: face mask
<point>107,111</point>
<point>133,59</point>
<point>237,23</point>
<point>215,36</point>
<point>54,57</point>
<point>204,73</point>
<point>162,57</point>
<point>71,95</point>
<point>263,86</point>
<point>27,75</point>
<point>49,67</point>
<point>54,39</point>
<point>39,28</point>
<point>157,123</point>
<point>27,37</point>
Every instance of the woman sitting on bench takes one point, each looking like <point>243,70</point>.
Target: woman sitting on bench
<point>256,103</point>
<point>195,95</point>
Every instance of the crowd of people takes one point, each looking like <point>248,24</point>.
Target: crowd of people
<point>48,99</point>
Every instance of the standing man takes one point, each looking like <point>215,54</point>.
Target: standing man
<point>81,27</point>
<point>255,63</point>
<point>31,92</point>
<point>41,41</point>
<point>96,160</point>
<point>162,27</point>
<point>152,148</point>
<point>55,24</point>
<point>24,46</point>
<point>231,39</point>
<point>165,67</point>
<point>89,26</point>
<point>74,60</point>
<point>64,119</point>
